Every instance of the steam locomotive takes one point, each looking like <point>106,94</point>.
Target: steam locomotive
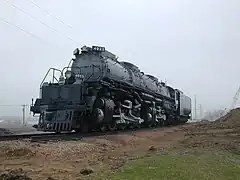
<point>97,92</point>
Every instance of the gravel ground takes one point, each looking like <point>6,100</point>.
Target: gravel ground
<point>99,155</point>
<point>15,128</point>
<point>68,160</point>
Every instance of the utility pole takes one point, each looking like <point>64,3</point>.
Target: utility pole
<point>200,111</point>
<point>23,110</point>
<point>195,99</point>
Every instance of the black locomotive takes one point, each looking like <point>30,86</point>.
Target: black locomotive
<point>100,93</point>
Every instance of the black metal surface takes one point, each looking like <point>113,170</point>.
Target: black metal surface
<point>94,74</point>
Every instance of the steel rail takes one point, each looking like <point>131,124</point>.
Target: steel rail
<point>35,137</point>
<point>22,136</point>
<point>60,136</point>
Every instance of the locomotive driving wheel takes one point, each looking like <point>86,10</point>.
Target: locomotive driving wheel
<point>121,127</point>
<point>84,126</point>
<point>103,128</point>
<point>112,127</point>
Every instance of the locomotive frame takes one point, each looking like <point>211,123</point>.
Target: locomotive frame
<point>100,93</point>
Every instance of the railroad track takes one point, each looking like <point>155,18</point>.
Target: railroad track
<point>23,136</point>
<point>59,137</point>
<point>73,136</point>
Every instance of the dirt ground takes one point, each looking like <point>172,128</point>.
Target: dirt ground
<point>222,134</point>
<point>83,159</point>
<point>66,160</point>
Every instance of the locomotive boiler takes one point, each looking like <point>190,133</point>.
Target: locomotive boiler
<point>97,92</point>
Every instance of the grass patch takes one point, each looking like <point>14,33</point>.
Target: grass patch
<point>182,166</point>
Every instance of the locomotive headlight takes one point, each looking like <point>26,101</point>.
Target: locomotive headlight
<point>68,74</point>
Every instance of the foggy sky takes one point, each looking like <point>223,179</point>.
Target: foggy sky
<point>194,45</point>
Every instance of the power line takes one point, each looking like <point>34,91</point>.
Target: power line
<point>48,13</point>
<point>13,5</point>
<point>27,32</point>
<point>195,103</point>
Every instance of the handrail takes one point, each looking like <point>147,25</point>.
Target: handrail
<point>70,62</point>
<point>54,69</point>
<point>62,71</point>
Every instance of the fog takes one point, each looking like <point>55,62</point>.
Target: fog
<point>193,45</point>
